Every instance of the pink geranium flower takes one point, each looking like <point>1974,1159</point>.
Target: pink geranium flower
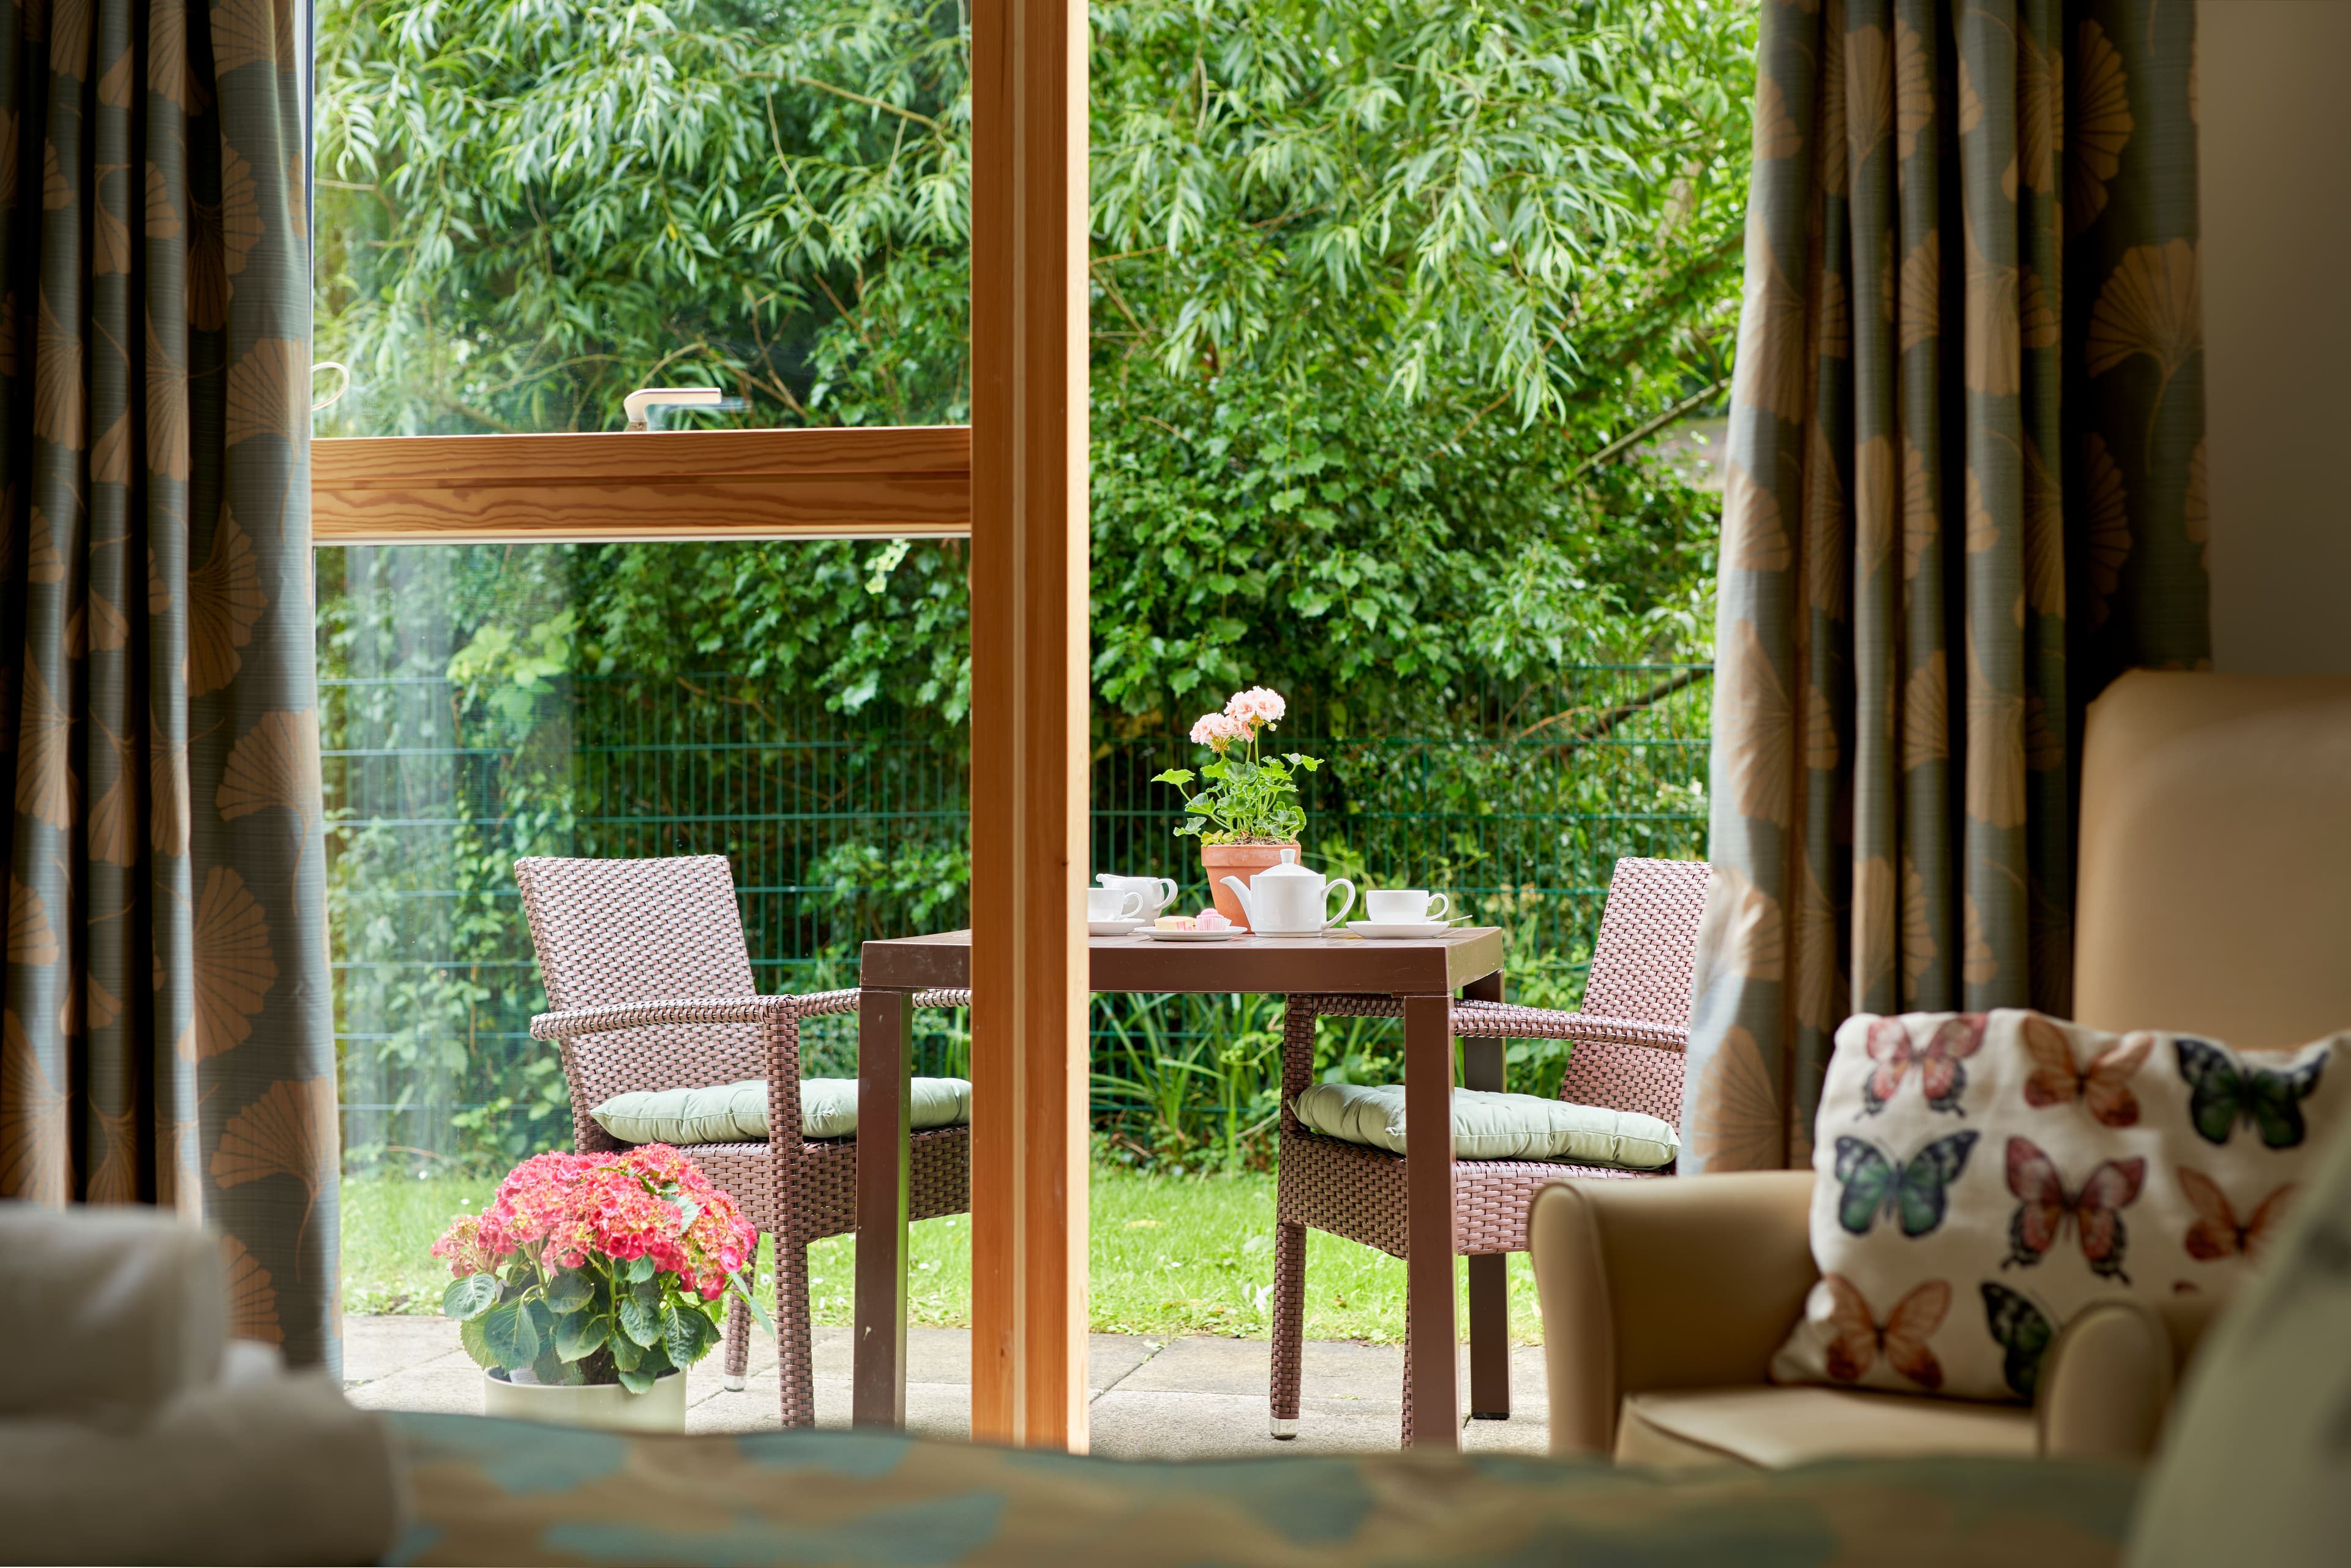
<point>1246,799</point>
<point>1257,704</point>
<point>1217,729</point>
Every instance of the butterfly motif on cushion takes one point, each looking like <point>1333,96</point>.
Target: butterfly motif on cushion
<point>2046,1209</point>
<point>2224,1089</point>
<point>1913,1191</point>
<point>2023,1332</point>
<point>2103,1087</point>
<point>2217,1232</point>
<point>1859,1339</point>
<point>1941,1077</point>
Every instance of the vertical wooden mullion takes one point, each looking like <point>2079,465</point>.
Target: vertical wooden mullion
<point>1028,722</point>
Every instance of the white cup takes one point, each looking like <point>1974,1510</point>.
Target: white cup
<point>1157,892</point>
<point>1106,904</point>
<point>1407,907</point>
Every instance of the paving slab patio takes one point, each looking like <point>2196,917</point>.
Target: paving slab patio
<point>1190,1397</point>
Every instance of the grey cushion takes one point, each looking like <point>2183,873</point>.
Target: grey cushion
<point>1490,1127</point>
<point>737,1112</point>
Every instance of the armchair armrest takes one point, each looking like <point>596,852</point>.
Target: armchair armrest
<point>2109,1379</point>
<point>1686,1283</point>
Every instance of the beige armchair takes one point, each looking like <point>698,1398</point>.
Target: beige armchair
<point>2215,896</point>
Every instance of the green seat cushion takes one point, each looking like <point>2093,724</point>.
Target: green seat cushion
<point>1490,1127</point>
<point>737,1112</point>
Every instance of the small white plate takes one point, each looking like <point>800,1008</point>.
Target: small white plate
<point>1111,927</point>
<point>1404,930</point>
<point>1215,934</point>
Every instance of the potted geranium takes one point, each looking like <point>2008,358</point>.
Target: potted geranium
<point>593,1281</point>
<point>1246,813</point>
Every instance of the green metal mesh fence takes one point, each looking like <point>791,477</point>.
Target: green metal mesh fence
<point>845,827</point>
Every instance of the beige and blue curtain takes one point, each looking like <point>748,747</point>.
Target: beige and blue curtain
<point>1966,490</point>
<point>166,1023</point>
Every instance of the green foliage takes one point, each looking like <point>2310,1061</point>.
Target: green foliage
<point>534,207</point>
<point>1187,1081</point>
<point>1372,559</point>
<point>580,1335</point>
<point>1439,191</point>
<point>507,1330</point>
<point>1374,283</point>
<point>470,1297</point>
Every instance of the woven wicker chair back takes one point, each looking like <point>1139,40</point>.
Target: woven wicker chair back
<point>1641,966</point>
<point>612,931</point>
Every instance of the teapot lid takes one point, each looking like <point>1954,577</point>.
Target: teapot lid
<point>1289,869</point>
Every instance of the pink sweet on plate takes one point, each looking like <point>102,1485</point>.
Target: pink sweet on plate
<point>1210,920</point>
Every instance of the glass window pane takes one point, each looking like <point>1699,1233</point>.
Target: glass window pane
<point>800,708</point>
<point>484,703</point>
<point>527,212</point>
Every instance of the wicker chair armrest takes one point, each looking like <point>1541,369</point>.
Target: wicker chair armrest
<point>778,1016</point>
<point>577,1021</point>
<point>782,1041</point>
<point>1507,1020</point>
<point>1489,1019</point>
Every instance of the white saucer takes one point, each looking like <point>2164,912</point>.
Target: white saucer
<point>1404,930</point>
<point>1111,927</point>
<point>1215,934</point>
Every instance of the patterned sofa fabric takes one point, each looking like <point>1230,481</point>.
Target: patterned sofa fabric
<point>494,1491</point>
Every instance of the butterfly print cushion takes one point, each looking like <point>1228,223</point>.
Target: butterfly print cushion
<point>1983,1176</point>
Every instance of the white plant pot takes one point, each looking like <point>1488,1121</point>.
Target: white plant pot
<point>604,1406</point>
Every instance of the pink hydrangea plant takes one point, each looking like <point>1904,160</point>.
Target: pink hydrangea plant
<point>610,1256</point>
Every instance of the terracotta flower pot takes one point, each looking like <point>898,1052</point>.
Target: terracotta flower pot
<point>1243,861</point>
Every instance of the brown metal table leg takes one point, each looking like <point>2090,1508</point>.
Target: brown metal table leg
<point>1490,1286</point>
<point>886,1065</point>
<point>1434,1421</point>
<point>1489,1336</point>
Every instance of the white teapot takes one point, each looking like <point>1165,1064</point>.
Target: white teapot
<point>1287,900</point>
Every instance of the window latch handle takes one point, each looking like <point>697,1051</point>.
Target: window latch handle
<point>640,404</point>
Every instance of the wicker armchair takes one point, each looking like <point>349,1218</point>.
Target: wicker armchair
<point>1627,1057</point>
<point>646,969</point>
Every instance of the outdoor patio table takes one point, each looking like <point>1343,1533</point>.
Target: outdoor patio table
<point>1425,975</point>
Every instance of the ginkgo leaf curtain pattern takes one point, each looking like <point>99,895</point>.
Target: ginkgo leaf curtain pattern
<point>1964,489</point>
<point>166,1023</point>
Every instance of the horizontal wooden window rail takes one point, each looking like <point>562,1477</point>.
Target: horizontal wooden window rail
<point>909,482</point>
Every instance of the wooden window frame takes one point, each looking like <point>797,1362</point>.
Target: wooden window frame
<point>1015,484</point>
<point>649,486</point>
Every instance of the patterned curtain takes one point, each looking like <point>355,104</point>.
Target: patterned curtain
<point>1966,490</point>
<point>166,1033</point>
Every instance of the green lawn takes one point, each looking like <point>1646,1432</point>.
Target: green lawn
<point>1170,1255</point>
